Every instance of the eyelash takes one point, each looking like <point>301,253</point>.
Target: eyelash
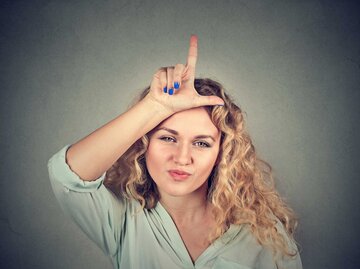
<point>171,139</point>
<point>167,139</point>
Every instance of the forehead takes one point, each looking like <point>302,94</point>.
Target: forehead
<point>195,120</point>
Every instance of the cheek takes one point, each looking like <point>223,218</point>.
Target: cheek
<point>207,162</point>
<point>155,158</point>
<point>156,151</point>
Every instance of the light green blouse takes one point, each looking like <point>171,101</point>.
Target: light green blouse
<point>136,238</point>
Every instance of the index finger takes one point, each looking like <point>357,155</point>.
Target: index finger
<point>192,56</point>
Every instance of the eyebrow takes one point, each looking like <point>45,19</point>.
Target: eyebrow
<point>177,133</point>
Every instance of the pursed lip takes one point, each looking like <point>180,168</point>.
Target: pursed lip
<point>179,175</point>
<point>179,172</point>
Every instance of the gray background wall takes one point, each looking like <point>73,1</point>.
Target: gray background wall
<point>67,67</point>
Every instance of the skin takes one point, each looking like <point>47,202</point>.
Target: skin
<point>173,145</point>
<point>94,154</point>
<point>185,151</point>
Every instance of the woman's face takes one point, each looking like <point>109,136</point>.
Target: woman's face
<point>182,152</point>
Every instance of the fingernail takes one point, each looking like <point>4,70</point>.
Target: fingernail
<point>220,104</point>
<point>176,85</point>
<point>171,91</point>
<point>165,89</point>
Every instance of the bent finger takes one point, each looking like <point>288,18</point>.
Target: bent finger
<point>158,78</point>
<point>170,80</point>
<point>163,80</point>
<point>178,73</point>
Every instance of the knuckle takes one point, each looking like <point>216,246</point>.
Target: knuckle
<point>161,69</point>
<point>196,101</point>
<point>179,70</point>
<point>159,72</point>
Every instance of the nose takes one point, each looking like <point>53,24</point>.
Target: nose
<point>182,156</point>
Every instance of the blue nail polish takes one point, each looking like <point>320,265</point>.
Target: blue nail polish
<point>171,91</point>
<point>176,85</point>
<point>165,89</point>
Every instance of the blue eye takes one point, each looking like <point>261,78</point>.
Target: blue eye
<point>167,139</point>
<point>202,144</point>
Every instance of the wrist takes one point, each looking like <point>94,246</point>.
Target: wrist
<point>152,104</point>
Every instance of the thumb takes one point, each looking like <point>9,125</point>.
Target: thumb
<point>211,100</point>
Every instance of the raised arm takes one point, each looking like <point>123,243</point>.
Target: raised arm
<point>171,90</point>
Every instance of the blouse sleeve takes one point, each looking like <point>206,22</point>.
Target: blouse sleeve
<point>95,209</point>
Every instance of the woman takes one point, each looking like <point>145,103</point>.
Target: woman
<point>188,190</point>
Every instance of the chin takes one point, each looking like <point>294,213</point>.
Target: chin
<point>178,190</point>
<point>176,193</point>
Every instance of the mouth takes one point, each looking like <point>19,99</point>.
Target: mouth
<point>179,174</point>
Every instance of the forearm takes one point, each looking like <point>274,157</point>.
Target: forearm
<point>94,154</point>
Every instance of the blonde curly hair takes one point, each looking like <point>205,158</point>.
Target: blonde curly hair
<point>240,187</point>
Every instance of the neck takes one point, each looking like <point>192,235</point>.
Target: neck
<point>188,209</point>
